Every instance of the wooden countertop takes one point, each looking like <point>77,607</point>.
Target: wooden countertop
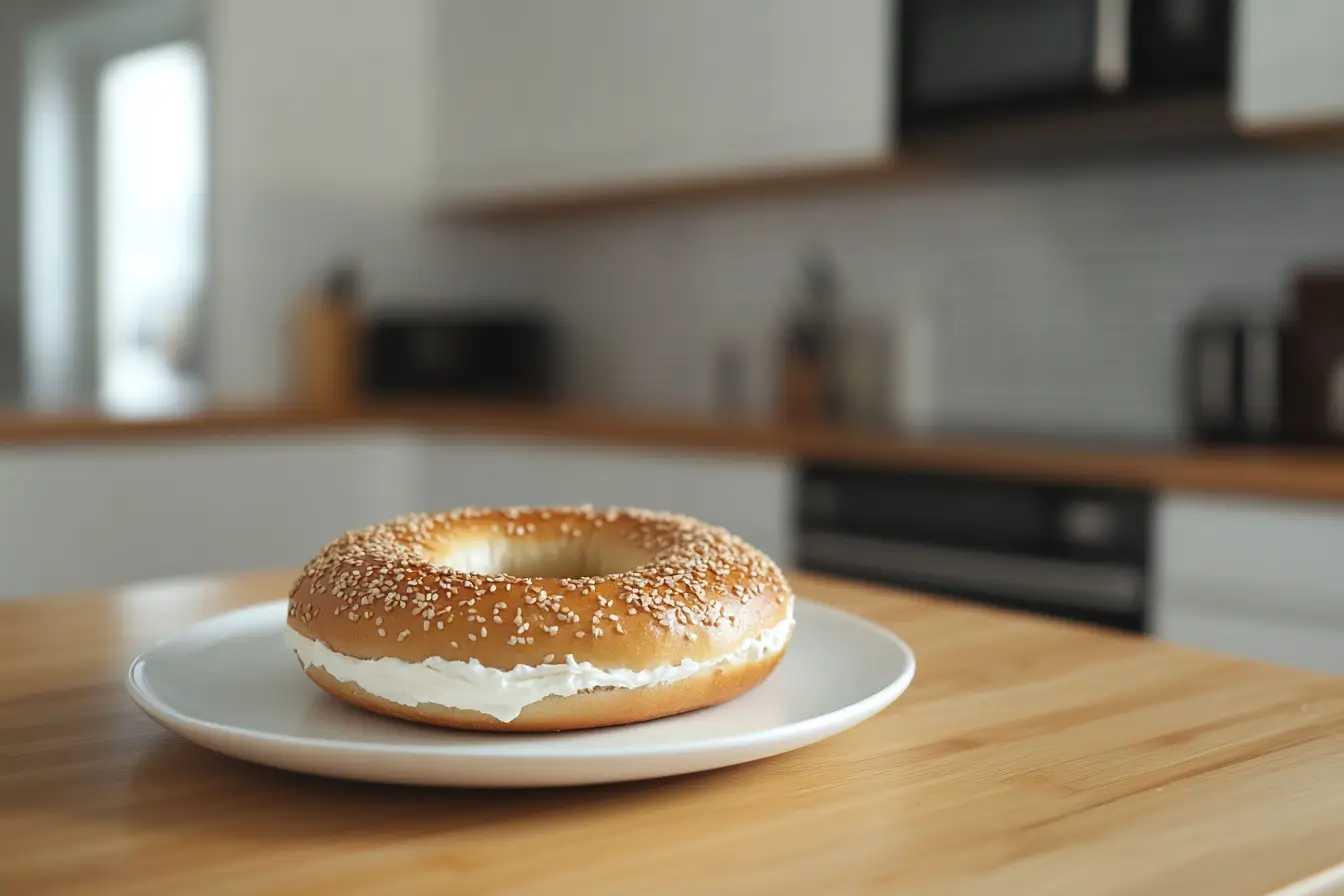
<point>1029,756</point>
<point>1265,472</point>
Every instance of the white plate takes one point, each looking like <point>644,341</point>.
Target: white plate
<point>230,684</point>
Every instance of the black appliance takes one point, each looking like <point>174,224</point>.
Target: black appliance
<point>460,353</point>
<point>1234,361</point>
<point>1314,410</point>
<point>1137,67</point>
<point>1075,552</point>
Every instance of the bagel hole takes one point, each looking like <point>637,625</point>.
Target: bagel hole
<point>530,558</point>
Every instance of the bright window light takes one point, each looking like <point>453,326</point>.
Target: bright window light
<point>151,180</point>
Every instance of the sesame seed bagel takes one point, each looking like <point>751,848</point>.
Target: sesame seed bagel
<point>532,619</point>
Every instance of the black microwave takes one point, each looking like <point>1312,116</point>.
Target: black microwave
<point>466,353</point>
<point>979,61</point>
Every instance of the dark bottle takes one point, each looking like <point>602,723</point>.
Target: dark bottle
<point>807,383</point>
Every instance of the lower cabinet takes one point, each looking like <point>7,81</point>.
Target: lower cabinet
<point>74,517</point>
<point>103,515</point>
<point>1257,578</point>
<point>1260,579</point>
<point>1281,642</point>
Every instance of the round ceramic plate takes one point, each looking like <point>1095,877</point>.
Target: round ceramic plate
<point>230,684</point>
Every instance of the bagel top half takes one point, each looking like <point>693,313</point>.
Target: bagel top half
<point>617,588</point>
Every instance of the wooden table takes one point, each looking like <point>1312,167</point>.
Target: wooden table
<point>1028,757</point>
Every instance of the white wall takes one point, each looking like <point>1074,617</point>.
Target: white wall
<point>1054,300</point>
<point>329,97</point>
<point>322,151</point>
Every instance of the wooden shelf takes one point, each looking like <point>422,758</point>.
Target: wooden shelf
<point>1184,127</point>
<point>753,183</point>
<point>1318,134</point>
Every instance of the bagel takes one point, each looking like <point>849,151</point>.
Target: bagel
<point>539,619</point>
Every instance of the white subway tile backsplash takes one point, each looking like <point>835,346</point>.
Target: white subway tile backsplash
<point>271,250</point>
<point>1054,301</point>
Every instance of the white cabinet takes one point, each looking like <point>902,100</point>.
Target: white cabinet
<point>548,96</point>
<point>747,496</point>
<point>331,97</point>
<point>96,516</point>
<point>1288,64</point>
<point>1263,638</point>
<point>545,94</point>
<point>102,515</point>
<point>775,83</point>
<point>1258,578</point>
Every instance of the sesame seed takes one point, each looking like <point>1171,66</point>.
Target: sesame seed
<point>697,576</point>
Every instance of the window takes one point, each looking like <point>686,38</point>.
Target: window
<point>150,269</point>
<point>115,208</point>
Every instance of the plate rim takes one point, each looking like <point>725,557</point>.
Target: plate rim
<point>863,709</point>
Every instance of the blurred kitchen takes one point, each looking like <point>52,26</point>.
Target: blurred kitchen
<point>1033,302</point>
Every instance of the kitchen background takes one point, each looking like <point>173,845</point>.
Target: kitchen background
<point>1052,301</point>
<point>316,262</point>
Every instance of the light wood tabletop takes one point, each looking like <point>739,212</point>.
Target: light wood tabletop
<point>1028,757</point>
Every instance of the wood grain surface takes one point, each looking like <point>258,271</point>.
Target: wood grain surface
<point>535,206</point>
<point>1028,757</point>
<point>1300,474</point>
<point>960,157</point>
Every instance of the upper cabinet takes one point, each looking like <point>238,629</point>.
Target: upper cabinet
<point>538,106</point>
<point>1289,65</point>
<point>326,97</point>
<point>538,98</point>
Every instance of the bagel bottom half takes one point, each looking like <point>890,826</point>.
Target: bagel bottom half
<point>596,708</point>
